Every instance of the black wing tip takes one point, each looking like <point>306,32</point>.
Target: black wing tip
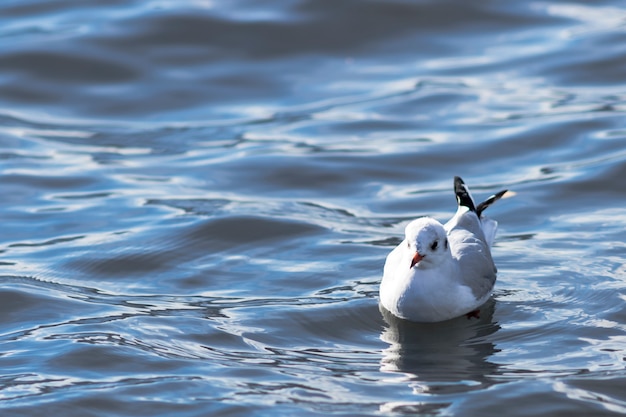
<point>500,194</point>
<point>463,196</point>
<point>458,183</point>
<point>482,206</point>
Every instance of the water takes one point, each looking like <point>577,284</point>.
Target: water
<point>197,201</point>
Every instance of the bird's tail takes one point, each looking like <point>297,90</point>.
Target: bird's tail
<point>464,198</point>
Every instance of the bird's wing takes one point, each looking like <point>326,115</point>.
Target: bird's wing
<point>471,250</point>
<point>469,243</point>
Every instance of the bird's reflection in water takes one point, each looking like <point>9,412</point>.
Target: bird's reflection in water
<point>442,358</point>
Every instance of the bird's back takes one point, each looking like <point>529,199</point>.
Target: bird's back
<point>470,248</point>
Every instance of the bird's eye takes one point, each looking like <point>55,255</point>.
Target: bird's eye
<point>434,245</point>
<point>408,244</point>
<point>446,243</point>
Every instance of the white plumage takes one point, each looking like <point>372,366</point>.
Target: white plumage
<point>439,272</point>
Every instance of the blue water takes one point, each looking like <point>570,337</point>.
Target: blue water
<point>198,198</point>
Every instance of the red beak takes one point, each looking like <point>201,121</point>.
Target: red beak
<point>416,258</point>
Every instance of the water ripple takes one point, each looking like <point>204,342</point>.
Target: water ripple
<point>198,199</point>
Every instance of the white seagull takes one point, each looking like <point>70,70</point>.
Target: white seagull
<point>439,272</point>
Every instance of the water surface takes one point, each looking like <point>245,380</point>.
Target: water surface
<point>197,201</point>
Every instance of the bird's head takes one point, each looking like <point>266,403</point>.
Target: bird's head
<point>427,242</point>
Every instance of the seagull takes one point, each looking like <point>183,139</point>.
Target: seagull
<point>439,272</point>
